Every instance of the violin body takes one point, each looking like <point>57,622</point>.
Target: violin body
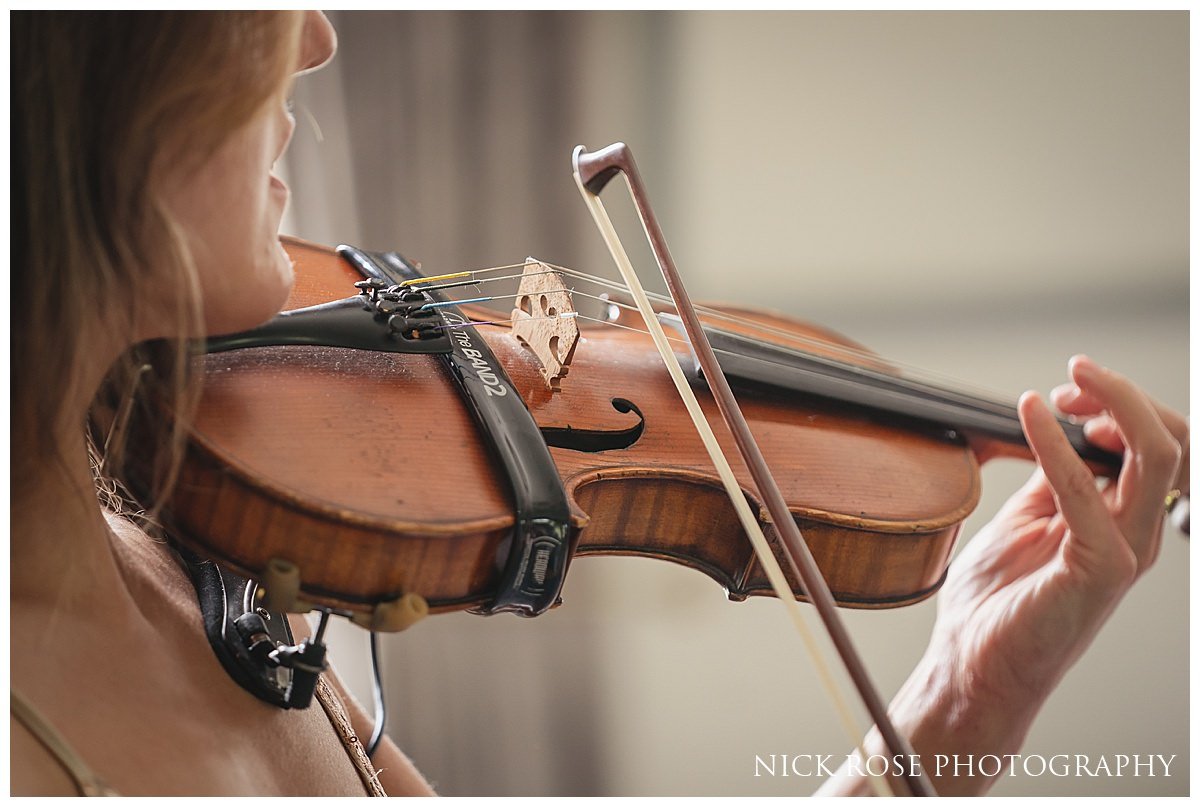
<point>364,470</point>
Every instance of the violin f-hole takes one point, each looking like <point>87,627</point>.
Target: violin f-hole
<point>595,440</point>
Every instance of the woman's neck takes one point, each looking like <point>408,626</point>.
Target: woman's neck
<point>65,561</point>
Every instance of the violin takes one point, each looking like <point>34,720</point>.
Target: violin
<point>364,472</point>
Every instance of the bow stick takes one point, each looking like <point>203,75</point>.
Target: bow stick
<point>593,171</point>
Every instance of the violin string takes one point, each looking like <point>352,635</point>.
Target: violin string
<point>444,303</point>
<point>939,382</point>
<point>414,282</point>
<point>918,382</point>
<point>474,282</point>
<point>866,373</point>
<point>610,285</point>
<point>477,323</point>
<point>845,350</point>
<point>675,339</point>
<point>911,372</point>
<point>563,315</point>
<point>571,292</point>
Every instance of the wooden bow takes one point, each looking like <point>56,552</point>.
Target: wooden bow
<point>593,171</point>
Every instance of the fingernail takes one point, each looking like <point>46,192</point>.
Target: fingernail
<point>1064,390</point>
<point>1084,366</point>
<point>1033,397</point>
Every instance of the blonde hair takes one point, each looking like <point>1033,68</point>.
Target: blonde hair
<point>103,103</point>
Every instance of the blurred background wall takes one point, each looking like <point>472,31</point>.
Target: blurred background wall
<point>980,194</point>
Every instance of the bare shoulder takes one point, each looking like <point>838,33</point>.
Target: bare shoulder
<point>153,564</point>
<point>35,771</point>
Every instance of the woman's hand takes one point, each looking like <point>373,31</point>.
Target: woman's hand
<point>1028,594</point>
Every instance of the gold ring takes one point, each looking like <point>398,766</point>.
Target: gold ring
<point>1172,499</point>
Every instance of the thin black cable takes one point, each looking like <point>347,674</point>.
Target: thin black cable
<point>380,706</point>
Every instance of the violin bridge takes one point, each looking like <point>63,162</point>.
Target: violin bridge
<point>544,320</point>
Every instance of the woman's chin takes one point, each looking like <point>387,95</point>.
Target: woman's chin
<point>253,305</point>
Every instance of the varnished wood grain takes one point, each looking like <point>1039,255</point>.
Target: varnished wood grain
<point>366,471</point>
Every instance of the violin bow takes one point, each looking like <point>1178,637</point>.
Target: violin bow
<point>593,171</point>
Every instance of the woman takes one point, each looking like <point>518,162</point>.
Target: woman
<point>144,186</point>
<point>145,204</point>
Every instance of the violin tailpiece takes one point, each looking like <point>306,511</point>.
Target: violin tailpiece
<point>543,319</point>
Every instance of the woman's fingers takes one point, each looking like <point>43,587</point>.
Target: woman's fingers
<point>1102,432</point>
<point>1070,399</point>
<point>1136,417</point>
<point>1098,545</point>
<point>1034,499</point>
<point>1179,428</point>
<point>1152,454</point>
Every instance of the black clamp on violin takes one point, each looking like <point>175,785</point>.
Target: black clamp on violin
<point>388,315</point>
